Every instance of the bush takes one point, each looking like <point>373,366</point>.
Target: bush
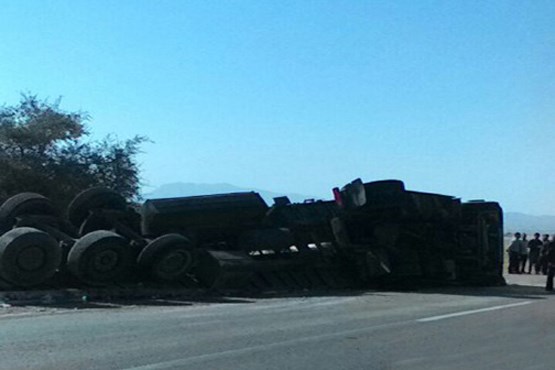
<point>43,149</point>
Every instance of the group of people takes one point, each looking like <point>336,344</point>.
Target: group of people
<point>539,253</point>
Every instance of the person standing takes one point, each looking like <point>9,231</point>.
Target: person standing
<point>543,261</point>
<point>550,258</point>
<point>534,248</point>
<point>523,253</point>
<point>514,254</point>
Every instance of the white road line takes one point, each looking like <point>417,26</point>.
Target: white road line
<point>471,312</point>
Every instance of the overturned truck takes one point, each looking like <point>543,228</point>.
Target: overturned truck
<point>370,234</point>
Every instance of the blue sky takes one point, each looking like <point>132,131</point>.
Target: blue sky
<point>454,97</point>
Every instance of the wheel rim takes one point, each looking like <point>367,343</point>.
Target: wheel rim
<point>31,258</point>
<point>106,260</point>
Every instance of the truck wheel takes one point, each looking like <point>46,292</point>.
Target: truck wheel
<point>167,258</point>
<point>93,198</point>
<point>4,285</point>
<point>22,204</point>
<point>100,257</point>
<point>28,256</point>
<point>93,223</point>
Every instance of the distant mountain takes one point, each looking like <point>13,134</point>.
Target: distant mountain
<point>515,221</point>
<point>185,189</point>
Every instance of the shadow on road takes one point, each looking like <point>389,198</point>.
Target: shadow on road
<point>161,302</point>
<point>508,291</point>
<point>518,287</point>
<point>118,299</point>
<point>116,303</point>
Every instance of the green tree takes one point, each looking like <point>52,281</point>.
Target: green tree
<point>44,149</point>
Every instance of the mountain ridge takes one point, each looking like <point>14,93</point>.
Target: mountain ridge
<point>518,221</point>
<point>182,189</point>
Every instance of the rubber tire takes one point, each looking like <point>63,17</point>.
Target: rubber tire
<point>81,258</point>
<point>18,240</point>
<point>94,223</point>
<point>93,198</point>
<point>4,285</point>
<point>270,239</point>
<point>24,203</point>
<point>157,250</point>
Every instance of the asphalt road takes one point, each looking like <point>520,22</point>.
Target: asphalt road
<point>491,328</point>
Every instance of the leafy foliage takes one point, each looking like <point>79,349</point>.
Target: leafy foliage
<point>43,149</point>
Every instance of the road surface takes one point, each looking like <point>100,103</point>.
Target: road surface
<point>509,327</point>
